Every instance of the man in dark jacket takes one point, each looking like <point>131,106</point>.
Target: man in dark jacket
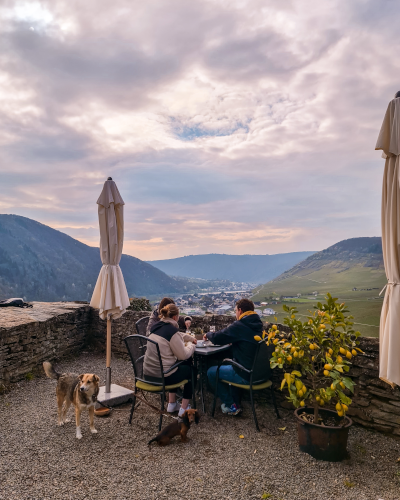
<point>241,335</point>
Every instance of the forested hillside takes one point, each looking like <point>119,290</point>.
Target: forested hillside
<point>40,263</point>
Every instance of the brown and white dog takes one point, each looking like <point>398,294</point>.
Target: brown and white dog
<point>80,390</point>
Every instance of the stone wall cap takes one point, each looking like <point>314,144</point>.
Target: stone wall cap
<point>11,317</point>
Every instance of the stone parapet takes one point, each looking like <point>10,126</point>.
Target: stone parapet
<point>47,331</point>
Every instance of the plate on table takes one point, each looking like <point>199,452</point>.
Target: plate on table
<point>205,343</point>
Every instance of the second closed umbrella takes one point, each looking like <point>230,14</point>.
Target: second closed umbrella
<point>389,332</point>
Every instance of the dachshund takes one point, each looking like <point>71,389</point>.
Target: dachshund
<point>179,427</point>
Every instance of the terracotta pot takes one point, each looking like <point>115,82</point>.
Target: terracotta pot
<point>323,443</point>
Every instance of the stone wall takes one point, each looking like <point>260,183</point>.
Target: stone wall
<point>52,330</point>
<point>47,331</point>
<point>120,328</point>
<point>375,404</point>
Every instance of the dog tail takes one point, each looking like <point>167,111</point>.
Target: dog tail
<point>50,371</point>
<point>151,440</point>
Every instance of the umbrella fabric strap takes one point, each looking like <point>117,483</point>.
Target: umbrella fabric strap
<point>389,283</point>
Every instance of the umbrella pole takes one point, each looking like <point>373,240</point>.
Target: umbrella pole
<point>108,355</point>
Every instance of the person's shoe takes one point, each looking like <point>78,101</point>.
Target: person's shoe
<point>182,411</point>
<point>232,410</point>
<point>173,407</point>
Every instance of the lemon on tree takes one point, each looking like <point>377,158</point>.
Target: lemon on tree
<point>316,356</point>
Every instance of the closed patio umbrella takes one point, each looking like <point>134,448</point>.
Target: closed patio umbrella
<point>110,295</point>
<point>389,329</point>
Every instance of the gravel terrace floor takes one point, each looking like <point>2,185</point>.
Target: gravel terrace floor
<point>39,460</point>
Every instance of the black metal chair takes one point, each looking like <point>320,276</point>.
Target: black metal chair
<point>141,325</point>
<point>137,346</point>
<point>260,377</point>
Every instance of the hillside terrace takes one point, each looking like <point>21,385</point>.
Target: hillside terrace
<point>73,336</point>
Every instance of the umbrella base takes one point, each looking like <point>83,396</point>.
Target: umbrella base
<point>117,395</point>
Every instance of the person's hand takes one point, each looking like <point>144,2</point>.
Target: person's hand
<point>205,337</point>
<point>194,341</point>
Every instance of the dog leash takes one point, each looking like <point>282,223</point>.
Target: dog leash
<point>156,409</point>
<point>147,403</point>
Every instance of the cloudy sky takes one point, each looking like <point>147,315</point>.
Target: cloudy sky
<point>229,126</point>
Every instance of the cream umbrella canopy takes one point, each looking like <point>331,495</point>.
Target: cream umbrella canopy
<point>110,295</point>
<point>389,329</point>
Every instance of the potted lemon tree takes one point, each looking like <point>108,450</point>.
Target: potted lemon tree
<point>316,357</point>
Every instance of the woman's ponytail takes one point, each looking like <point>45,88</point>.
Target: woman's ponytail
<point>169,311</point>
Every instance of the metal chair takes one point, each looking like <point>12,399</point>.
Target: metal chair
<point>137,346</point>
<point>141,325</point>
<point>260,377</point>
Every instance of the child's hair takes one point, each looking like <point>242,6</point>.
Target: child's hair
<point>169,311</point>
<point>164,302</point>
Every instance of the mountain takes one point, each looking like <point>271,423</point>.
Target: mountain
<point>243,268</point>
<point>344,255</point>
<point>40,263</point>
<point>351,270</point>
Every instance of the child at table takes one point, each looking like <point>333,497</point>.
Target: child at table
<point>173,346</point>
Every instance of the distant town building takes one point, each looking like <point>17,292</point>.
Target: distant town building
<point>268,312</point>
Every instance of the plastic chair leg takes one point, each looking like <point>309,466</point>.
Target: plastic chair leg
<point>253,409</point>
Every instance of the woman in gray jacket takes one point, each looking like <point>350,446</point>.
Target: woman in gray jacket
<point>173,346</point>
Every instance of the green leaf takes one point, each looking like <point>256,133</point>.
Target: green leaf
<point>348,383</point>
<point>343,398</point>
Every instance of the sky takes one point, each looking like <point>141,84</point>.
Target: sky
<point>238,127</point>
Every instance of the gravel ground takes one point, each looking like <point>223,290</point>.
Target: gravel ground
<point>39,460</point>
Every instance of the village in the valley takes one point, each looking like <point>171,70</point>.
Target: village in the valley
<point>222,300</point>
